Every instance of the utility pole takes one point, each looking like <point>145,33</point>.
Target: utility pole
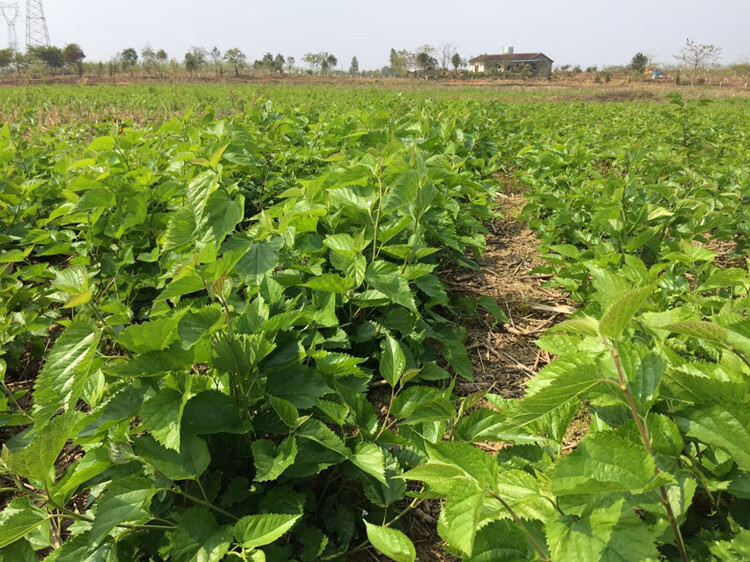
<point>37,34</point>
<point>10,13</point>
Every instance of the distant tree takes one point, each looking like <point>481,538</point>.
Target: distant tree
<point>195,59</point>
<point>6,58</point>
<point>265,63</point>
<point>73,55</point>
<point>354,67</point>
<point>51,57</point>
<point>329,62</point>
<point>638,63</point>
<point>278,63</point>
<point>290,63</point>
<point>237,59</point>
<point>320,62</point>
<point>401,61</point>
<point>591,69</point>
<point>314,60</point>
<point>162,56</point>
<point>447,50</point>
<point>456,61</point>
<point>148,56</point>
<point>216,59</point>
<point>129,57</point>
<point>696,56</point>
<point>424,59</point>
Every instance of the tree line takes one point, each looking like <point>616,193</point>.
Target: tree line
<point>425,60</point>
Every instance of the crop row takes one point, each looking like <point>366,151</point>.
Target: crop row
<point>247,351</point>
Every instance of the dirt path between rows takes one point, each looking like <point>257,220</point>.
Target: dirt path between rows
<point>503,354</point>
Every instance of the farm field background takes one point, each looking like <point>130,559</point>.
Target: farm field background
<point>237,323</point>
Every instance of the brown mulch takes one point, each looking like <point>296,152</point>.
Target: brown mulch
<point>504,355</point>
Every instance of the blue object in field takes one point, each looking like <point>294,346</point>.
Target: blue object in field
<point>657,74</point>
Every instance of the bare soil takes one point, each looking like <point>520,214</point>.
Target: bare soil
<point>504,355</point>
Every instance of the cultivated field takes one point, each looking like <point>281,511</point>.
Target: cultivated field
<point>352,323</point>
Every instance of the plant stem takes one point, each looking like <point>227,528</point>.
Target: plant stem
<point>542,552</point>
<point>201,502</point>
<point>387,414</point>
<point>376,224</point>
<point>647,443</point>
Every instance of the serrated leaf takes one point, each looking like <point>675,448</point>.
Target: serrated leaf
<point>198,538</point>
<point>37,459</point>
<point>391,543</point>
<point>93,463</point>
<point>392,361</point>
<point>583,325</point>
<point>611,533</point>
<point>621,311</point>
<point>259,530</point>
<point>196,325</point>
<point>285,410</point>
<point>499,541</point>
<point>707,331</point>
<point>222,214</point>
<point>126,500</point>
<point>725,425</point>
<point>457,357</point>
<point>645,385</point>
<point>100,144</point>
<point>210,412</point>
<point>521,491</point>
<point>316,431</point>
<point>154,335</point>
<point>476,464</point>
<point>492,306</point>
<point>270,461</point>
<point>161,415</point>
<point>561,382</point>
<point>489,425</point>
<point>261,258</point>
<point>19,518</point>
<point>192,460</point>
<point>180,229</point>
<point>603,462</point>
<point>341,243</point>
<point>370,458</point>
<point>412,397</point>
<point>96,198</point>
<point>200,189</point>
<point>386,278</point>
<point>330,283</point>
<point>66,370</point>
<point>459,517</point>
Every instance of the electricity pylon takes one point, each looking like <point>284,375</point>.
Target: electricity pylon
<point>10,13</point>
<point>37,34</point>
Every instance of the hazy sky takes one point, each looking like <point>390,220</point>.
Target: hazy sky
<point>584,32</point>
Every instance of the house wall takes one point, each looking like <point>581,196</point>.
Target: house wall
<point>544,67</point>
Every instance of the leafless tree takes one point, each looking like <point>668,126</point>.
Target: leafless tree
<point>696,55</point>
<point>447,50</point>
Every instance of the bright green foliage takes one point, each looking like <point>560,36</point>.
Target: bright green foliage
<point>391,542</point>
<point>248,350</point>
